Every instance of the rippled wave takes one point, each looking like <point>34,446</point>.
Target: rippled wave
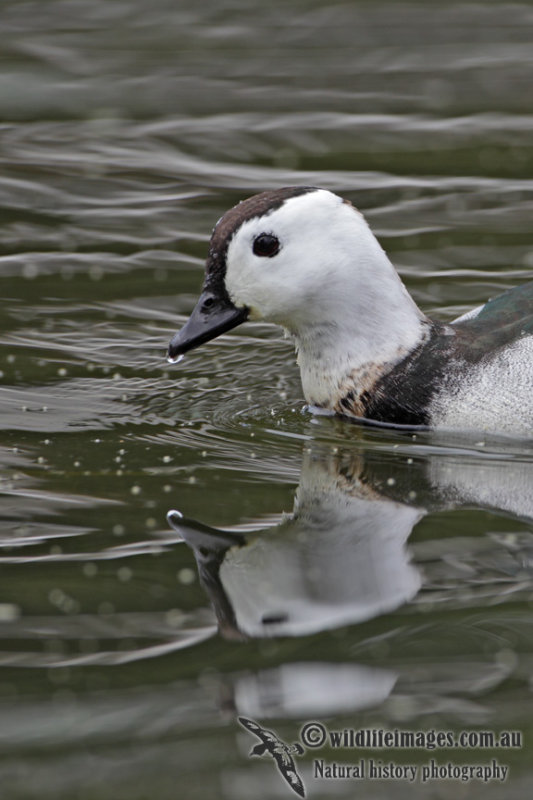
<point>128,129</point>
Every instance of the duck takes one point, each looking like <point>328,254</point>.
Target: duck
<point>304,258</point>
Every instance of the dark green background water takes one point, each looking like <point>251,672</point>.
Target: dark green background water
<point>401,596</point>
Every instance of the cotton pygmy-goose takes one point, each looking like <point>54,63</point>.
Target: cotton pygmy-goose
<point>305,259</point>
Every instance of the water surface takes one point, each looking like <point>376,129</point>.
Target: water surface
<point>360,577</point>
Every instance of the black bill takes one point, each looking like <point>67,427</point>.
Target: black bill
<point>211,316</point>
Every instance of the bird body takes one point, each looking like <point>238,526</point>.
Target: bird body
<point>306,259</point>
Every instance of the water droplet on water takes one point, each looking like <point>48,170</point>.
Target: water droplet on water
<point>175,360</point>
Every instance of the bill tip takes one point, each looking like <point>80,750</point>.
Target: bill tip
<point>175,359</point>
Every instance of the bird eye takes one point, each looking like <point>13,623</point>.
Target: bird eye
<point>266,245</point>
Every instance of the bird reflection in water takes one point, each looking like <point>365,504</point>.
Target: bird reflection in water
<point>342,557</point>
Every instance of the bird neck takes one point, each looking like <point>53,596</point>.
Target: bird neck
<point>347,352</point>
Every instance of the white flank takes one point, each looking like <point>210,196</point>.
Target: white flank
<point>495,395</point>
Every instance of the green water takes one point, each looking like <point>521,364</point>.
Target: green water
<point>398,593</point>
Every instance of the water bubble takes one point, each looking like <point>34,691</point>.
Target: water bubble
<point>186,576</point>
<point>9,612</point>
<point>96,273</point>
<point>174,616</point>
<point>124,574</point>
<point>30,271</point>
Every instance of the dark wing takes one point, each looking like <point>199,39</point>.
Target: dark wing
<point>288,770</point>
<point>502,320</point>
<point>266,736</point>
